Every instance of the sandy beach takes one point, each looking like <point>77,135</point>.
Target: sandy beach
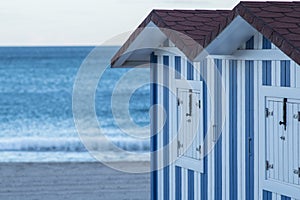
<point>76,181</point>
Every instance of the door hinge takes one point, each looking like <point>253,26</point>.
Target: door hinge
<point>179,145</point>
<point>199,104</point>
<point>297,171</point>
<point>268,165</point>
<point>199,149</point>
<point>297,116</point>
<point>268,112</point>
<point>179,102</point>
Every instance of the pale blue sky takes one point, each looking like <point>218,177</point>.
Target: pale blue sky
<point>82,22</point>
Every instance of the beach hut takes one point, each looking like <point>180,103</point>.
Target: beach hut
<point>228,81</point>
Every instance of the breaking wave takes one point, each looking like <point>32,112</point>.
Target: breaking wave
<point>69,144</point>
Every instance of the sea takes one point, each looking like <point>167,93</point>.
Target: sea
<point>36,115</point>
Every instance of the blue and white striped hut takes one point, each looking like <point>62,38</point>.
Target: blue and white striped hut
<point>229,83</point>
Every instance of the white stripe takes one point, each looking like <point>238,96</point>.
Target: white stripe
<point>278,196</point>
<point>297,75</point>
<point>184,184</point>
<point>159,120</point>
<point>196,71</point>
<point>197,185</point>
<point>225,139</point>
<point>277,73</point>
<point>273,76</point>
<point>210,181</point>
<point>257,82</point>
<point>240,130</point>
<point>172,126</point>
<point>183,68</point>
<point>293,74</point>
<point>274,196</point>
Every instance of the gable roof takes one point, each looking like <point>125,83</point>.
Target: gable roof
<point>196,24</point>
<point>277,21</point>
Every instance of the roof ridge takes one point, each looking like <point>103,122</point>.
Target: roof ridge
<point>158,17</point>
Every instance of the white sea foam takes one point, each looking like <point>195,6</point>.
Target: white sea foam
<point>69,144</point>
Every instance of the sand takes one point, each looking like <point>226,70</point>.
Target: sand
<point>76,181</point>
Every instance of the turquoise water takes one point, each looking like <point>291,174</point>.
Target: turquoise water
<point>36,119</point>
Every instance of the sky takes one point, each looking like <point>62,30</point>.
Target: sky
<point>83,22</point>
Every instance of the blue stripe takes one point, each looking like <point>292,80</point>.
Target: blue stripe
<point>178,193</point>
<point>190,184</point>
<point>218,145</point>
<point>204,175</point>
<point>266,43</point>
<point>282,73</point>
<point>233,129</point>
<point>166,186</point>
<point>267,72</point>
<point>153,140</point>
<point>285,197</point>
<point>190,71</point>
<point>250,43</point>
<point>285,73</point>
<point>177,67</point>
<point>267,195</point>
<point>249,113</point>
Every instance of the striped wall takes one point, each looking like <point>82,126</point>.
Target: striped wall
<point>172,181</point>
<point>230,168</point>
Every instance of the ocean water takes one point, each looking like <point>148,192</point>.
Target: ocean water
<point>36,118</point>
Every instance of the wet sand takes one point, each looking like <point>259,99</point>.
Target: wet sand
<point>74,181</point>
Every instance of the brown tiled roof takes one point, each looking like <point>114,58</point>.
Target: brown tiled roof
<point>277,21</point>
<point>188,25</point>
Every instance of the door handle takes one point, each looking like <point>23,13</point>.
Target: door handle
<point>190,104</point>
<point>283,122</point>
<point>249,146</point>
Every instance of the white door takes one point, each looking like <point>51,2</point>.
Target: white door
<point>190,127</point>
<point>280,141</point>
<point>282,136</point>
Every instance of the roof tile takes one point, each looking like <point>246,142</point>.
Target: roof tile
<point>278,21</point>
<point>277,24</point>
<point>276,9</point>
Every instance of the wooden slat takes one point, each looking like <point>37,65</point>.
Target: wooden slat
<point>289,142</point>
<point>276,142</point>
<point>298,146</point>
<point>159,122</point>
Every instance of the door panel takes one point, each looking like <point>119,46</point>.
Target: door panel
<point>190,128</point>
<point>282,141</point>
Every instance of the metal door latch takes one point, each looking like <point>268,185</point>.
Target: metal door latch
<point>297,171</point>
<point>284,122</point>
<point>282,137</point>
<point>190,105</point>
<point>268,165</point>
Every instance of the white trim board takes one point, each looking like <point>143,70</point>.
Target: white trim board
<point>266,54</point>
